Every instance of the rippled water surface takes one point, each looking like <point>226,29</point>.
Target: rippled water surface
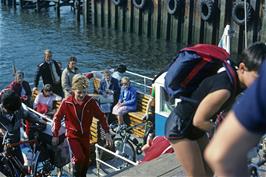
<point>24,35</point>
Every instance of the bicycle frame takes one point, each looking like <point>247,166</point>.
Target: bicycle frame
<point>98,160</point>
<point>126,135</point>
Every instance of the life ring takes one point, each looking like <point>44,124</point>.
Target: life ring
<point>118,2</point>
<point>207,10</point>
<point>238,12</point>
<point>139,4</point>
<point>173,5</point>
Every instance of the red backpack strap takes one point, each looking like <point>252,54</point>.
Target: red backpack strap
<point>232,76</point>
<point>193,72</point>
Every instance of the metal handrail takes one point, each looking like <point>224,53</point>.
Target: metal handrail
<point>139,75</point>
<point>39,114</point>
<point>145,78</point>
<point>98,160</point>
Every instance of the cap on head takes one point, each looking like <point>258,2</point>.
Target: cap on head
<point>10,101</point>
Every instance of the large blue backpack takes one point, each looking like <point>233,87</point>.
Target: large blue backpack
<point>192,65</point>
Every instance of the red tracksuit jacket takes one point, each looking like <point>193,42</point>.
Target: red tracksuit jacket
<point>76,127</point>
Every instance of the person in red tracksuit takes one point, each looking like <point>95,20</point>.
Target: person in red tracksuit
<point>78,111</point>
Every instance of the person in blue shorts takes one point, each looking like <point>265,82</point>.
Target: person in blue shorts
<point>241,130</point>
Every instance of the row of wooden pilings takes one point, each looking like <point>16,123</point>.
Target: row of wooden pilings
<point>182,21</point>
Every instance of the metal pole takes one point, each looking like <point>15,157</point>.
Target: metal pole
<point>97,162</point>
<point>145,83</point>
<point>245,9</point>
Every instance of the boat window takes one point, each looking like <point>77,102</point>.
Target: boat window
<point>166,105</point>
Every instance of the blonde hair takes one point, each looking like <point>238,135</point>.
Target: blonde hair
<point>125,79</point>
<point>79,82</point>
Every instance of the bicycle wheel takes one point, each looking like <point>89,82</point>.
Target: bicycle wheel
<point>41,167</point>
<point>124,149</point>
<point>8,169</point>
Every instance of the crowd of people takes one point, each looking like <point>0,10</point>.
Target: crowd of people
<point>77,108</point>
<point>242,127</point>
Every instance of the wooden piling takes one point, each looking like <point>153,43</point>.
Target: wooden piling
<point>262,33</point>
<point>153,21</point>
<point>57,8</point>
<point>87,12</point>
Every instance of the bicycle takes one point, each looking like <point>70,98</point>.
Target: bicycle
<point>126,145</point>
<point>40,162</point>
<point>255,167</point>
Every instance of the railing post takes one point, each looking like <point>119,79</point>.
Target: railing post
<point>97,162</point>
<point>145,83</point>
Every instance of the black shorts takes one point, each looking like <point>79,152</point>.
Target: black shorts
<point>178,127</point>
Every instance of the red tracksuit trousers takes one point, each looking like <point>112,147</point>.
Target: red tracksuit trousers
<point>80,148</point>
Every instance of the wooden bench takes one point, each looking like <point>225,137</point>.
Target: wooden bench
<point>137,116</point>
<point>134,117</point>
<point>96,85</point>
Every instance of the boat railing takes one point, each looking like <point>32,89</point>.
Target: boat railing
<point>141,81</point>
<point>37,113</point>
<point>99,161</point>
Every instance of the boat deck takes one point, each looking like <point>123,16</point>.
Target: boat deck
<point>165,165</point>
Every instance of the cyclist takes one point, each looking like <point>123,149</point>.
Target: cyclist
<point>78,111</point>
<point>11,113</point>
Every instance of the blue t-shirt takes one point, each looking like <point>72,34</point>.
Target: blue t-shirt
<point>251,108</point>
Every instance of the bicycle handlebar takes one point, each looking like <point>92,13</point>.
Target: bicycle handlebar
<point>21,142</point>
<point>148,122</point>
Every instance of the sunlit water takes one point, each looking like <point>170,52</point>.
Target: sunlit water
<point>24,35</point>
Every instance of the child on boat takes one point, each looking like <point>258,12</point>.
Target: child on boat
<point>78,111</point>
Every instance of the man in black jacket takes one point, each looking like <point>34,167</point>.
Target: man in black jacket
<point>50,73</point>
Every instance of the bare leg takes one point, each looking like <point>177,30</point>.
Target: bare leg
<point>189,155</point>
<point>203,142</point>
<point>120,120</point>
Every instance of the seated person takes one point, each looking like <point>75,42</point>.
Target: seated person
<point>43,103</point>
<point>119,72</point>
<point>110,90</point>
<point>155,147</point>
<point>127,100</point>
<point>21,88</point>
